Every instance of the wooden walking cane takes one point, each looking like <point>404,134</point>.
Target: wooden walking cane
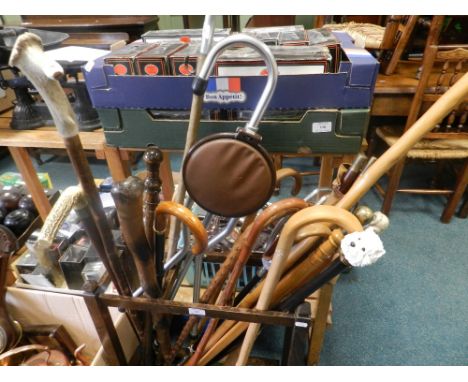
<point>274,212</point>
<point>128,198</point>
<point>327,251</point>
<point>283,173</point>
<point>184,215</point>
<point>363,183</point>
<point>298,251</point>
<point>230,330</point>
<point>192,131</point>
<point>153,157</point>
<point>213,289</point>
<point>28,56</point>
<point>315,214</point>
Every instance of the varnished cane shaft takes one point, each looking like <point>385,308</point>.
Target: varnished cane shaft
<point>152,187</point>
<point>299,250</point>
<point>213,289</point>
<point>416,132</point>
<point>192,131</point>
<point>274,212</point>
<point>128,197</point>
<point>315,263</point>
<point>83,172</point>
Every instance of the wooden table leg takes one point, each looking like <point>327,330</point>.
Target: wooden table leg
<point>23,162</point>
<point>326,171</point>
<point>118,167</point>
<point>165,173</point>
<point>320,324</point>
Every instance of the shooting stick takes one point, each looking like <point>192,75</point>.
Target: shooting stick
<point>192,131</point>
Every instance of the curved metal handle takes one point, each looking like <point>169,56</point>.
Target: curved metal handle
<point>188,218</point>
<point>201,81</point>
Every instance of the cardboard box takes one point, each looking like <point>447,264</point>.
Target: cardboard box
<point>123,60</point>
<point>184,61</point>
<point>154,61</point>
<point>45,307</point>
<point>351,87</point>
<point>182,35</point>
<point>324,37</point>
<point>282,35</point>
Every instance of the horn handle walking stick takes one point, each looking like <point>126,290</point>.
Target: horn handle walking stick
<point>69,199</point>
<point>192,131</point>
<point>28,56</point>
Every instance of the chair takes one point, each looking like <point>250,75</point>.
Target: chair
<point>390,41</point>
<point>442,66</point>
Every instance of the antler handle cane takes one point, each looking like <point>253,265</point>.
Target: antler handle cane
<point>69,199</point>
<point>28,56</point>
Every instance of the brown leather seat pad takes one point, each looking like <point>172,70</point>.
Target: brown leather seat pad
<point>229,177</point>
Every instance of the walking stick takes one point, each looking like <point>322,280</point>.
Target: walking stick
<point>28,56</point>
<point>192,131</point>
<point>363,183</point>
<point>273,212</point>
<point>70,198</point>
<point>153,157</point>
<point>350,255</point>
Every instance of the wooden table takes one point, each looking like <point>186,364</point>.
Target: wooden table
<point>135,26</point>
<point>18,141</point>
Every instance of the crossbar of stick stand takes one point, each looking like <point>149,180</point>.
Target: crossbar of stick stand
<point>99,303</point>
